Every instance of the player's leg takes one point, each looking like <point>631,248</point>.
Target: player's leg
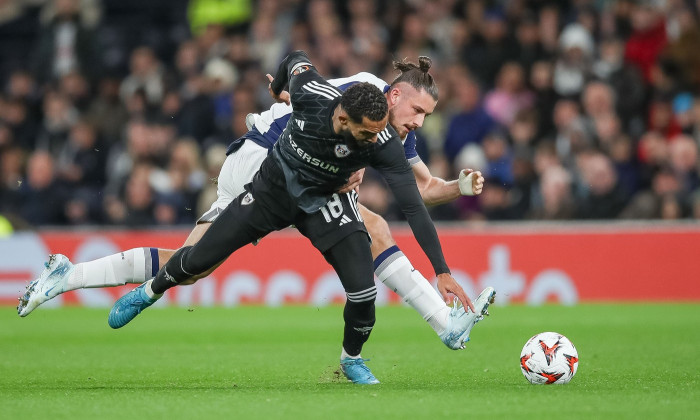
<point>352,261</point>
<point>452,325</point>
<point>140,264</point>
<point>238,169</point>
<point>60,275</point>
<point>395,270</point>
<point>251,216</point>
<point>338,233</point>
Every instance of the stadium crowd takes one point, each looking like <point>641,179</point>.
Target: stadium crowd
<point>118,112</point>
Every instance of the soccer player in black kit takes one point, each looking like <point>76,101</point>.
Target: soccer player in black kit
<point>328,137</point>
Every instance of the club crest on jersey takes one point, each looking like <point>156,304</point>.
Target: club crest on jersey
<point>341,150</point>
<point>247,199</point>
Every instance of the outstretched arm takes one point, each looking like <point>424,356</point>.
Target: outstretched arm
<point>436,190</point>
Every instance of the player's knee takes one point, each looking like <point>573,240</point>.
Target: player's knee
<point>378,229</point>
<point>164,255</point>
<point>183,268</point>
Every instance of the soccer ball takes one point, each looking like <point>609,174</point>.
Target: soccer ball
<point>549,358</point>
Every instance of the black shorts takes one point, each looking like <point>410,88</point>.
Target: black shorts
<point>335,221</point>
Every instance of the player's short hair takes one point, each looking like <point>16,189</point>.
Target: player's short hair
<point>417,75</point>
<point>364,100</point>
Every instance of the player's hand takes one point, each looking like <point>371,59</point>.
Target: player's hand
<point>447,284</point>
<point>353,182</point>
<point>471,182</point>
<point>282,97</point>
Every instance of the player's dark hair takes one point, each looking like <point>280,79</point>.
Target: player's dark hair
<point>417,75</point>
<point>364,100</point>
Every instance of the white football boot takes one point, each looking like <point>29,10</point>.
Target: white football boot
<point>460,322</point>
<point>50,284</point>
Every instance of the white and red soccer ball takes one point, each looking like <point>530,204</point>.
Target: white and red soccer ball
<point>549,358</point>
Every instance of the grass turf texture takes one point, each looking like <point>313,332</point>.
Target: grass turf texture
<point>637,361</point>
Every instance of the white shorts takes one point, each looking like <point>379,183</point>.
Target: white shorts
<point>238,170</point>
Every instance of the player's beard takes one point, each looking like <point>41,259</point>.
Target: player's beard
<point>397,128</point>
<point>352,142</point>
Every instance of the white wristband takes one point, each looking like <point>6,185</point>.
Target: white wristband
<point>466,183</point>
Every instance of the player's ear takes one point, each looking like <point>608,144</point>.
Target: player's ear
<point>343,118</point>
<point>393,95</point>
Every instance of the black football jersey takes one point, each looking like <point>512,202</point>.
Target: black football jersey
<point>316,162</point>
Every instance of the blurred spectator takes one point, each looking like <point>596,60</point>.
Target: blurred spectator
<point>146,75</point>
<point>59,117</point>
<point>139,198</point>
<point>625,80</point>
<point>18,26</point>
<point>490,48</point>
<point>545,96</point>
<point>648,37</point>
<point>21,85</point>
<point>197,112</point>
<point>495,201</point>
<point>621,151</point>
<point>20,123</point>
<point>683,157</point>
<point>187,177</point>
<point>549,25</point>
<point>66,42</point>
<point>124,156</point>
<point>12,160</point>
<point>571,135</point>
<point>573,67</point>
<point>523,131</point>
<point>220,79</point>
<point>81,162</point>
<point>682,106</point>
<point>498,157</point>
<point>83,206</point>
<point>662,118</point>
<point>684,31</point>
<point>598,100</point>
<point>603,198</point>
<point>648,204</point>
<point>106,112</point>
<point>268,47</point>
<point>471,122</point>
<point>41,197</point>
<point>76,89</point>
<point>527,35</point>
<point>510,94</point>
<point>557,200</point>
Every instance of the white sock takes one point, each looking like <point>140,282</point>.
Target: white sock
<point>396,272</point>
<point>149,292</point>
<point>345,355</point>
<point>132,266</point>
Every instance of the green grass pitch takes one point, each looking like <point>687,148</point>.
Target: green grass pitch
<point>636,361</point>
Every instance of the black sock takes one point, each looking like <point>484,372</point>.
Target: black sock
<point>359,320</point>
